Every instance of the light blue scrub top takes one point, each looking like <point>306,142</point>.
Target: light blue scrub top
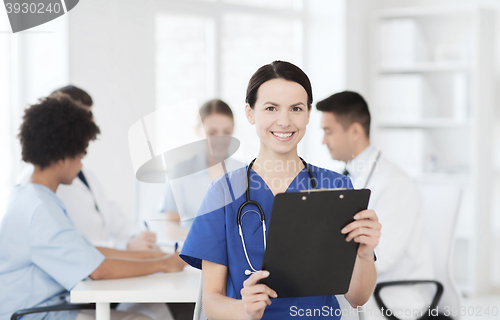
<point>42,256</point>
<point>214,236</point>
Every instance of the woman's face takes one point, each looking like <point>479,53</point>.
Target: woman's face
<point>217,124</point>
<point>280,115</point>
<point>220,125</point>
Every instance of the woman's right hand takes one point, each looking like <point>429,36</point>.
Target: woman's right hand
<point>256,297</point>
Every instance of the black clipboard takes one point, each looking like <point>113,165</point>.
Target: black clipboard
<point>306,253</point>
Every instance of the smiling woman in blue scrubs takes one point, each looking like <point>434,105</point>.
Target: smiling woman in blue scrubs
<point>279,99</point>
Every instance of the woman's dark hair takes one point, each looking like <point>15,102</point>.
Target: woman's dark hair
<point>77,94</point>
<point>278,70</point>
<point>54,129</point>
<point>348,107</point>
<point>215,106</point>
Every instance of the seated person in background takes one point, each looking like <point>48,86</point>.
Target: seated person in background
<point>97,218</point>
<point>217,120</point>
<point>402,253</point>
<point>42,254</point>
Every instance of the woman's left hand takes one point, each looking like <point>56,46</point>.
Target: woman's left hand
<point>365,230</point>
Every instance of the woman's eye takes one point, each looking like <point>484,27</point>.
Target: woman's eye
<point>271,108</point>
<point>296,109</point>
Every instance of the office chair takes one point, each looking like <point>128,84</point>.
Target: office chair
<point>58,307</point>
<point>440,204</point>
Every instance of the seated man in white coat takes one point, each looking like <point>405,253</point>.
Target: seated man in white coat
<point>402,253</point>
<point>97,218</point>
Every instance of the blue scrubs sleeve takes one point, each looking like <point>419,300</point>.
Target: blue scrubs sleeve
<point>59,250</point>
<point>331,180</point>
<point>206,239</point>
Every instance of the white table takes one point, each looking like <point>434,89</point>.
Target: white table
<point>156,288</point>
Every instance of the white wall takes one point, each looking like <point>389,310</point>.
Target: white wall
<point>112,57</point>
<point>357,44</point>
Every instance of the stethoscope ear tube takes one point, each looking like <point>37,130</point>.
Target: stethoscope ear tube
<point>261,212</point>
<point>372,169</point>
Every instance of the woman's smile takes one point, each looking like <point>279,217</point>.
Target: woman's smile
<point>283,136</point>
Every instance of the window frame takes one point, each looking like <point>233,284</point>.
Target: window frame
<point>217,9</point>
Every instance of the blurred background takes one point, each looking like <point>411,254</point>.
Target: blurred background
<point>429,70</point>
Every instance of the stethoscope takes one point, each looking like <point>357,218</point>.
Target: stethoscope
<point>372,169</point>
<point>260,212</point>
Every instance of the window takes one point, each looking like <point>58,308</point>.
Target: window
<point>38,63</point>
<point>248,42</point>
<point>212,49</point>
<point>278,4</point>
<point>183,56</point>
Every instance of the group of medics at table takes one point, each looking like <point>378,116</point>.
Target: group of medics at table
<point>278,103</point>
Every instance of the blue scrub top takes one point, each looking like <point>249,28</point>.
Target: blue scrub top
<point>42,256</point>
<point>214,236</point>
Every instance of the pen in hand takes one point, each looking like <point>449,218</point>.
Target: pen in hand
<point>176,246</point>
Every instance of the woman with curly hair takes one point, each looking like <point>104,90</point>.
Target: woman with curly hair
<point>98,218</point>
<point>43,256</point>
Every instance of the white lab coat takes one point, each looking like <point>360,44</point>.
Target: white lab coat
<point>403,252</point>
<point>108,227</point>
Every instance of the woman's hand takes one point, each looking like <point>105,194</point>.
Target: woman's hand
<point>365,230</point>
<point>144,241</point>
<point>256,297</point>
